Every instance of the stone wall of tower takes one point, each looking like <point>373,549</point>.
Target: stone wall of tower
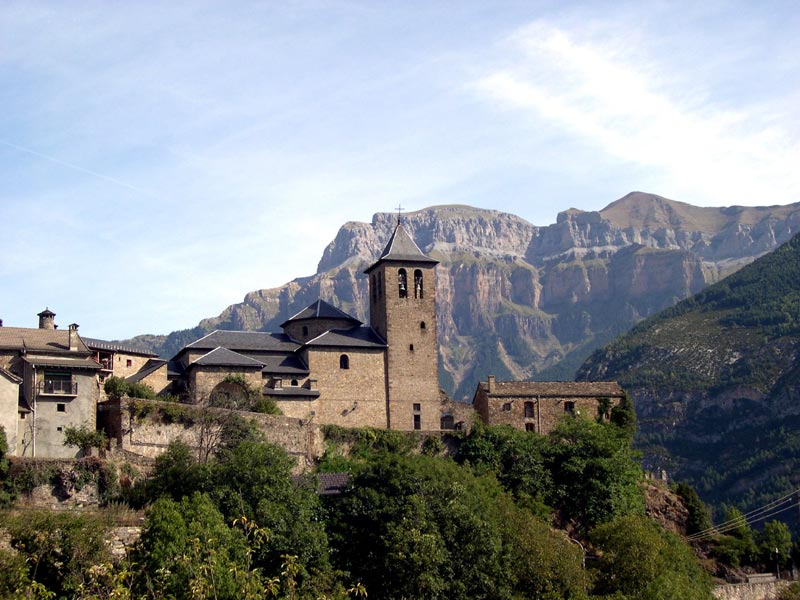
<point>409,326</point>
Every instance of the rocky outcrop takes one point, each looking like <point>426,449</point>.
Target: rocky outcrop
<point>526,301</point>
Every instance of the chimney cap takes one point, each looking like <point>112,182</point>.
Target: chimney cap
<point>46,313</point>
<point>74,327</point>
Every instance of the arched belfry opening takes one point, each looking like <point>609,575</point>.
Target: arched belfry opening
<point>402,283</point>
<point>418,287</point>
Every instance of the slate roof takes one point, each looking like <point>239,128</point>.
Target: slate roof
<point>282,365</point>
<point>151,366</point>
<point>553,389</point>
<point>356,337</point>
<point>242,341</point>
<point>402,248</point>
<point>95,344</point>
<point>10,376</point>
<point>222,357</point>
<point>38,340</point>
<point>321,310</point>
<point>69,363</point>
<point>332,484</point>
<point>329,484</point>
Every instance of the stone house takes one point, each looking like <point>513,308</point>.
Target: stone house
<point>118,360</point>
<point>327,365</point>
<point>48,381</point>
<point>538,406</point>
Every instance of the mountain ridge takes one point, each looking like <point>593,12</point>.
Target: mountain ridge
<point>519,300</point>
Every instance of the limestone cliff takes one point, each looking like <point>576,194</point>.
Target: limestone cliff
<point>522,301</point>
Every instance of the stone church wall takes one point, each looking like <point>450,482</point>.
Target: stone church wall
<point>352,397</point>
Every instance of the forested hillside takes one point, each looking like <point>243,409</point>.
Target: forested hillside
<point>716,382</point>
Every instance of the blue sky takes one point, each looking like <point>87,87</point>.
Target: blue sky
<point>158,160</point>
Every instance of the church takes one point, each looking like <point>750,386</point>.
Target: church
<point>326,365</point>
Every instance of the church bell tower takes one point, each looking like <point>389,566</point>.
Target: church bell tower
<point>402,307</point>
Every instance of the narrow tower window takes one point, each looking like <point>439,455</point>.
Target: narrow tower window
<point>344,361</point>
<point>422,324</point>
<point>305,331</point>
<point>417,283</point>
<point>529,410</point>
<point>402,283</point>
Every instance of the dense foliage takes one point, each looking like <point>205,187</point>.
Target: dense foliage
<point>584,469</point>
<point>410,524</point>
<point>640,560</point>
<point>421,527</point>
<point>116,387</point>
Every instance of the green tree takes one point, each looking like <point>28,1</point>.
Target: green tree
<point>58,549</point>
<point>737,547</point>
<point>187,551</point>
<point>623,415</point>
<point>85,438</point>
<point>640,560</point>
<point>595,472</point>
<point>515,457</point>
<point>774,544</point>
<point>254,479</point>
<point>423,527</point>
<point>699,516</point>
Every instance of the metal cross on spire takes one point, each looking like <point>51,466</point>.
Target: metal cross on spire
<point>399,210</point>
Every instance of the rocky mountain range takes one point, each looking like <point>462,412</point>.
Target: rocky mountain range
<point>522,301</point>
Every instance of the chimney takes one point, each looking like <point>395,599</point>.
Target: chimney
<point>47,319</point>
<point>73,337</point>
<point>491,384</point>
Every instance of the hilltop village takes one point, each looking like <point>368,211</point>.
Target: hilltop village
<point>324,368</point>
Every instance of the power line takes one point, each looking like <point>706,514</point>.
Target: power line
<point>766,511</point>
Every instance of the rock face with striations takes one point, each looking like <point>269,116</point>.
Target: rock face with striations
<point>520,301</point>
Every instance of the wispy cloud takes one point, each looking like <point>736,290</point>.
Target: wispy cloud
<point>608,95</point>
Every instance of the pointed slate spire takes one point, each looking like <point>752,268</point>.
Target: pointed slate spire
<point>401,248</point>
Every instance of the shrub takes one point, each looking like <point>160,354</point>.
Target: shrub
<point>117,387</point>
<point>84,438</point>
<point>266,406</point>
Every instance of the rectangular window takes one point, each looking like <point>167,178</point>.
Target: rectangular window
<point>417,422</point>
<point>569,408</point>
<point>59,429</point>
<point>129,363</point>
<point>417,407</point>
<point>529,427</point>
<point>61,407</point>
<point>22,416</point>
<point>507,407</point>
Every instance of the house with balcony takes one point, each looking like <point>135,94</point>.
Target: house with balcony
<point>48,382</point>
<point>119,360</point>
